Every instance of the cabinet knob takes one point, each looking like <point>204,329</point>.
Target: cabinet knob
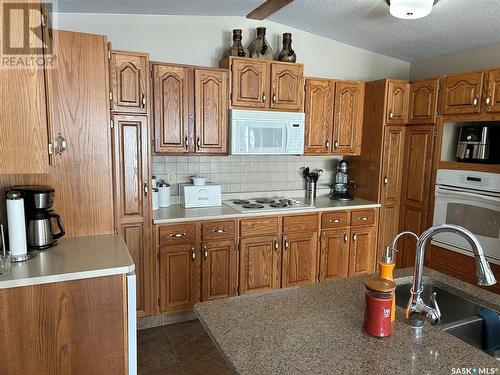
<point>354,236</point>
<point>274,98</point>
<point>146,188</point>
<point>391,115</point>
<point>345,237</point>
<point>198,143</point>
<point>336,221</point>
<point>386,180</point>
<point>276,244</point>
<point>327,145</point>
<point>263,97</point>
<point>335,144</point>
<point>186,142</point>
<point>193,253</point>
<point>475,101</point>
<point>287,244</point>
<point>219,230</point>
<point>177,235</point>
<point>488,101</point>
<point>205,252</point>
<point>143,101</point>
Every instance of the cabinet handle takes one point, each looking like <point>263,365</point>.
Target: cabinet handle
<point>205,253</point>
<point>274,98</point>
<point>193,253</point>
<point>336,221</point>
<point>488,101</point>
<point>391,115</point>
<point>287,244</point>
<point>475,101</point>
<point>263,97</point>
<point>146,188</point>
<point>276,244</point>
<point>363,218</point>
<point>354,236</point>
<point>386,180</point>
<point>327,145</point>
<point>186,142</point>
<point>177,235</point>
<point>198,143</point>
<point>143,101</point>
<point>219,230</point>
<point>345,237</point>
<point>335,145</point>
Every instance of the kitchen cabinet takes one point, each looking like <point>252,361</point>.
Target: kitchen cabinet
<point>416,189</point>
<point>259,84</point>
<point>219,269</point>
<point>319,103</point>
<point>211,124</point>
<point>362,256</point>
<point>348,119</point>
<point>492,84</point>
<point>23,112</point>
<point>334,257</point>
<point>461,93</point>
<point>132,209</point>
<point>397,102</point>
<point>129,72</point>
<point>423,102</point>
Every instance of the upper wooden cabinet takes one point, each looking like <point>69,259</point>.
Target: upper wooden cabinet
<point>260,84</point>
<point>129,82</point>
<point>423,102</point>
<point>348,119</point>
<point>210,97</point>
<point>170,109</point>
<point>397,102</point>
<point>461,93</point>
<point>319,102</point>
<point>287,86</point>
<point>492,92</point>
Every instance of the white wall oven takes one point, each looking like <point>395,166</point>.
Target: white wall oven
<point>471,200</point>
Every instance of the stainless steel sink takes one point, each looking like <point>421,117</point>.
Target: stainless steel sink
<point>458,314</point>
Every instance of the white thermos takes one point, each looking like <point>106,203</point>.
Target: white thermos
<point>164,190</point>
<point>155,199</point>
<point>17,224</point>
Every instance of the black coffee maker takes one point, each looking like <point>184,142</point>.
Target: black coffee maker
<point>40,219</point>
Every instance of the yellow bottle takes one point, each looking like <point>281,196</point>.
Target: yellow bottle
<point>386,271</point>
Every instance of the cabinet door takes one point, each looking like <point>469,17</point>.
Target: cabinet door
<point>423,101</point>
<point>461,93</point>
<point>260,264</point>
<point>299,258</point>
<point>23,113</point>
<point>392,163</point>
<point>210,90</point>
<point>170,109</point>
<point>397,102</point>
<point>362,251</point>
<point>347,127</point>
<point>179,274</point>
<point>129,77</point>
<point>250,83</point>
<point>132,211</point>
<point>334,259</point>
<point>319,116</point>
<point>287,86</point>
<point>218,270</point>
<point>492,100</point>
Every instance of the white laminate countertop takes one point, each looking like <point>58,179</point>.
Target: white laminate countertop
<point>177,213</point>
<point>72,259</point>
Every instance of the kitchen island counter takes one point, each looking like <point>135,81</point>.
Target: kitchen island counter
<point>316,329</point>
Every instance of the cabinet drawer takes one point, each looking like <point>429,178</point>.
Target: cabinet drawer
<point>335,220</point>
<point>300,223</point>
<point>213,230</point>
<point>176,234</point>
<point>260,226</point>
<point>365,217</point>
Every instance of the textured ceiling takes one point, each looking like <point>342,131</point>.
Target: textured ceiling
<point>453,25</point>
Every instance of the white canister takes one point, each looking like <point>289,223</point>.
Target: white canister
<point>155,199</point>
<point>17,224</point>
<point>164,190</point>
<point>153,182</point>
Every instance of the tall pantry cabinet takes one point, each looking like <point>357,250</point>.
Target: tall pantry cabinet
<point>129,103</point>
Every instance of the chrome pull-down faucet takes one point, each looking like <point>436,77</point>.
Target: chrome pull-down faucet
<point>417,310</point>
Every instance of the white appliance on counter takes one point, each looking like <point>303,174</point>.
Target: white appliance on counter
<point>266,132</point>
<point>194,196</point>
<point>471,200</point>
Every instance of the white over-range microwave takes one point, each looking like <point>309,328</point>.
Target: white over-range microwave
<point>471,200</point>
<point>266,132</point>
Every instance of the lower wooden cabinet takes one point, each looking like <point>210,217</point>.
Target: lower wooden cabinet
<point>299,258</point>
<point>334,257</point>
<point>260,264</point>
<point>219,269</point>
<point>362,251</point>
<point>179,277</point>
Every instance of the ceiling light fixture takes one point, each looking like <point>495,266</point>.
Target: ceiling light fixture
<point>411,9</point>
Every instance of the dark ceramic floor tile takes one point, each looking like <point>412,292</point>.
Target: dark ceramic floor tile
<point>190,341</point>
<point>154,351</point>
<point>207,366</point>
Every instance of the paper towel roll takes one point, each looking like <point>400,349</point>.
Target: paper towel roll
<point>17,224</point>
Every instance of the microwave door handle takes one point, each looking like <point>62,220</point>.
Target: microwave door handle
<point>467,194</point>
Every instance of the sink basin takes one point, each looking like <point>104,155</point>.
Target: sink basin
<point>452,307</point>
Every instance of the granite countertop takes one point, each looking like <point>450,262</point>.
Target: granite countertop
<point>72,259</point>
<point>177,213</point>
<point>316,329</point>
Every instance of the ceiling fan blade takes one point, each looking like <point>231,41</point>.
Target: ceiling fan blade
<point>269,7</point>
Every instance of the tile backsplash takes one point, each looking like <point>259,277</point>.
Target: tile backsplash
<point>243,173</point>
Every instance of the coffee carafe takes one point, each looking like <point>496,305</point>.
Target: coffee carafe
<point>40,219</point>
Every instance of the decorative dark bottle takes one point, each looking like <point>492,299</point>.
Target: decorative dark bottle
<point>287,53</point>
<point>260,48</point>
<point>237,48</point>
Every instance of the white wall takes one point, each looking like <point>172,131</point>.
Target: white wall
<point>201,40</point>
<point>470,59</point>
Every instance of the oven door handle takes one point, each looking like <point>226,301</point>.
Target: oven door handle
<point>459,193</point>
